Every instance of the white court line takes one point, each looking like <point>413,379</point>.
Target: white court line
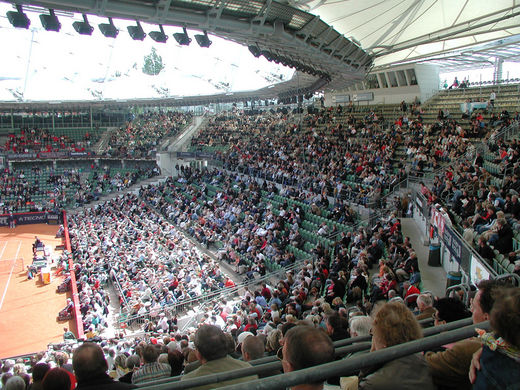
<point>10,274</point>
<point>3,249</point>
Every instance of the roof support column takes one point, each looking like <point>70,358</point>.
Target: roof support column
<point>497,74</point>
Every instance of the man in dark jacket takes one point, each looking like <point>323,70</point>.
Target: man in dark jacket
<point>504,241</point>
<point>485,250</point>
<point>90,368</point>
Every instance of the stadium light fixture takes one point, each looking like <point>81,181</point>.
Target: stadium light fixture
<point>108,29</point>
<point>182,38</point>
<point>50,22</point>
<point>255,50</point>
<point>83,28</point>
<point>136,32</point>
<point>159,36</point>
<point>203,40</point>
<point>18,19</point>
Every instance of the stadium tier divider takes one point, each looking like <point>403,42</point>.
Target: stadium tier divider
<point>74,287</point>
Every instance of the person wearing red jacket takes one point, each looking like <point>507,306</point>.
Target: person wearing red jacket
<point>409,290</point>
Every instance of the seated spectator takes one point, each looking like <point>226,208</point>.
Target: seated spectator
<point>503,241</point>
<point>252,348</point>
<point>410,291</point>
<point>425,306</point>
<point>133,363</point>
<point>449,310</point>
<point>15,382</point>
<point>450,368</point>
<point>360,326</point>
<point>211,349</point>
<point>176,362</point>
<point>337,327</point>
<point>151,368</point>
<point>90,368</point>
<point>38,372</point>
<point>304,347</point>
<point>56,379</point>
<point>497,363</point>
<point>68,335</point>
<point>394,324</point>
<point>485,250</point>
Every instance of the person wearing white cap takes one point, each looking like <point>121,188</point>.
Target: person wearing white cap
<point>242,336</point>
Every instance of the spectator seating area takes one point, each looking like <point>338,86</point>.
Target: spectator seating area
<point>142,136</point>
<point>36,140</point>
<point>282,197</point>
<point>45,188</point>
<point>281,226</point>
<point>482,195</point>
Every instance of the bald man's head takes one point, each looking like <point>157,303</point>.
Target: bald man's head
<point>89,362</point>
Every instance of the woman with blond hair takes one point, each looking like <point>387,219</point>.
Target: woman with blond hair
<point>394,324</point>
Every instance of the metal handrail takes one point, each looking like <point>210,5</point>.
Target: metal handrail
<point>324,371</point>
<point>221,293</point>
<point>355,363</point>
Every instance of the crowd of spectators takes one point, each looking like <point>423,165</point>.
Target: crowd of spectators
<point>241,215</point>
<point>271,321</point>
<point>38,140</point>
<point>319,154</point>
<point>140,137</point>
<point>485,204</point>
<point>45,188</point>
<point>127,242</point>
<point>152,264</point>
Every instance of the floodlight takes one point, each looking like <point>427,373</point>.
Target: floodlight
<point>182,38</point>
<point>159,36</point>
<point>203,40</point>
<point>136,32</point>
<point>267,54</point>
<point>255,50</point>
<point>83,28</point>
<point>50,22</point>
<point>18,19</point>
<point>108,29</point>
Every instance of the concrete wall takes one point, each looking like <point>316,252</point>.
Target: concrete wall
<point>427,77</point>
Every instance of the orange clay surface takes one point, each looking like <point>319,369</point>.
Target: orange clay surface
<point>28,308</point>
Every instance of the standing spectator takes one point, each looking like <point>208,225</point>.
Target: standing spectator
<point>492,98</point>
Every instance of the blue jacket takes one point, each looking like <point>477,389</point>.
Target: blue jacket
<point>497,372</point>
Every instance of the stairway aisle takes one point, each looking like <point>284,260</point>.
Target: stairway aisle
<point>433,278</point>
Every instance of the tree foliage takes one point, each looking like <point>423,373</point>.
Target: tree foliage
<point>153,63</point>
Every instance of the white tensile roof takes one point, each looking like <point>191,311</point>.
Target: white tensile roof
<point>411,30</point>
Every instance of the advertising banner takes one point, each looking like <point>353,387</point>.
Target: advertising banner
<point>29,218</point>
<point>478,271</point>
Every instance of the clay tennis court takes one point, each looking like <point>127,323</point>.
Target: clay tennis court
<point>28,308</point>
